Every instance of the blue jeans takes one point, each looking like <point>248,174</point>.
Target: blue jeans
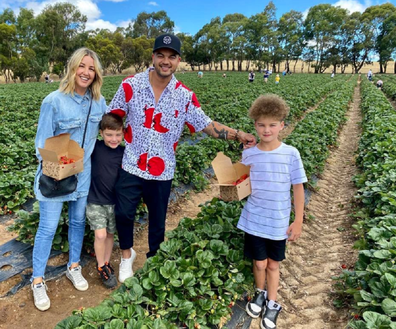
<point>49,219</point>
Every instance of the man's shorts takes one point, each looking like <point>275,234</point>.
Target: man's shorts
<point>259,248</point>
<point>101,216</point>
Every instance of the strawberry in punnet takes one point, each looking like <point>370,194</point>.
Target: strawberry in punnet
<point>241,179</point>
<point>65,160</point>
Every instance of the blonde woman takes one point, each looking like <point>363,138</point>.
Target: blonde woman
<point>66,111</point>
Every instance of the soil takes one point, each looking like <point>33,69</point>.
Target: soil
<point>306,283</point>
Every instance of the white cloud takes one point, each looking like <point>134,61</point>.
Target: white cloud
<point>177,29</point>
<point>353,5</point>
<point>100,24</point>
<point>153,3</point>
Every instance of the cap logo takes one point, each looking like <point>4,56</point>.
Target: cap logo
<point>167,40</point>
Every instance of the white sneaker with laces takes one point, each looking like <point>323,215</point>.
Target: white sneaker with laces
<point>41,300</point>
<point>126,267</point>
<point>75,276</point>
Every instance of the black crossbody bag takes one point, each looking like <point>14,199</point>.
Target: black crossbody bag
<point>52,188</point>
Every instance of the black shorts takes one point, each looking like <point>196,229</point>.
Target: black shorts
<point>259,248</point>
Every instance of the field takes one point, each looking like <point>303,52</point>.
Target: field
<point>196,287</point>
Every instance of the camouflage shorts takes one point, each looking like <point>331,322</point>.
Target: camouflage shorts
<point>101,216</point>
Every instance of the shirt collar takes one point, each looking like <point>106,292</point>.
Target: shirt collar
<point>78,98</point>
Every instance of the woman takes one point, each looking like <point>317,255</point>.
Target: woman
<point>66,111</point>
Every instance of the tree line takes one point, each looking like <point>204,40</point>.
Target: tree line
<point>328,37</point>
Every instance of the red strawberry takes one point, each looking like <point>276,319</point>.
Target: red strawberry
<point>119,112</point>
<point>128,134</point>
<point>148,112</point>
<point>190,127</point>
<point>128,91</point>
<point>157,124</point>
<point>142,162</point>
<point>156,166</point>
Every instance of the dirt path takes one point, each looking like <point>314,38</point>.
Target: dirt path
<point>326,242</point>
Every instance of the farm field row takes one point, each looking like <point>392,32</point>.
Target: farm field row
<point>164,294</point>
<point>223,99</point>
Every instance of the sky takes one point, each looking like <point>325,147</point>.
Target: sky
<point>188,16</point>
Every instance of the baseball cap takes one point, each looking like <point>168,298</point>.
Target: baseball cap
<point>169,41</point>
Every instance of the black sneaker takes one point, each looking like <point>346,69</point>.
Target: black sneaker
<point>110,267</point>
<point>109,280</point>
<point>270,315</point>
<point>255,307</point>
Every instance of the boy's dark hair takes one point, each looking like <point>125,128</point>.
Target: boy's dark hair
<point>269,105</point>
<point>111,121</point>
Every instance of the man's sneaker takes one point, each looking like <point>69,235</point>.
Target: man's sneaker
<point>126,267</point>
<point>255,307</point>
<point>270,315</point>
<point>109,280</point>
<point>75,276</point>
<point>41,300</point>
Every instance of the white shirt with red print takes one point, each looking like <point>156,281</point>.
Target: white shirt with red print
<point>153,130</point>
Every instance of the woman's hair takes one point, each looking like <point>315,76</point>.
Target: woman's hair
<point>68,83</point>
<point>111,121</point>
<point>270,105</point>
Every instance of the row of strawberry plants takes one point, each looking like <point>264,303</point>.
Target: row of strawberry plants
<point>225,100</point>
<point>372,282</point>
<point>200,272</point>
<point>389,86</point>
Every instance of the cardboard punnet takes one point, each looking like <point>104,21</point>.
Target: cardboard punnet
<point>227,174</point>
<point>56,147</point>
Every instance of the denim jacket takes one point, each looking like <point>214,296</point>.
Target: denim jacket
<point>66,113</point>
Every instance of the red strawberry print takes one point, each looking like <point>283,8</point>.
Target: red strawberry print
<point>178,84</point>
<point>157,124</point>
<point>130,76</point>
<point>142,162</point>
<point>190,127</point>
<point>176,113</point>
<point>128,91</point>
<point>119,112</point>
<point>174,146</point>
<point>156,166</point>
<point>128,134</point>
<point>188,104</point>
<point>195,101</point>
<point>148,112</point>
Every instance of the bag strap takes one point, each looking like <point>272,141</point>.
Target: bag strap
<point>86,122</point>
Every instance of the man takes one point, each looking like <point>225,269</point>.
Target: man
<point>156,106</point>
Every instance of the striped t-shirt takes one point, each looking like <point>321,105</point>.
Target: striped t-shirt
<point>267,210</point>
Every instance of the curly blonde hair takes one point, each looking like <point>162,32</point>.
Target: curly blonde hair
<point>68,83</point>
<point>269,105</point>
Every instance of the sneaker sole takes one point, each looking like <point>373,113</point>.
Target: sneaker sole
<point>251,314</point>
<point>43,308</point>
<point>78,288</point>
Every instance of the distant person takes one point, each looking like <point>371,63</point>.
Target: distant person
<point>275,168</point>
<point>379,84</point>
<point>46,78</point>
<point>284,72</point>
<point>266,75</point>
<point>106,163</point>
<point>277,79</point>
<point>200,74</point>
<point>251,76</point>
<point>224,75</point>
<point>370,75</point>
<point>332,74</point>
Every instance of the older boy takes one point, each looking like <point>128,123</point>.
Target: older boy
<point>275,166</point>
<point>106,162</point>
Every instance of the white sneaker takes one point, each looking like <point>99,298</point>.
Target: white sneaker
<point>75,276</point>
<point>126,267</point>
<point>41,300</point>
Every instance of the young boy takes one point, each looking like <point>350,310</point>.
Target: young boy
<point>274,167</point>
<point>106,161</point>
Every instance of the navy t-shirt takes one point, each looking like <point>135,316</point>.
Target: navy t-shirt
<point>105,163</point>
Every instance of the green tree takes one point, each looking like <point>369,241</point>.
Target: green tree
<point>137,52</point>
<point>150,25</point>
<point>8,54</point>
<point>322,25</point>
